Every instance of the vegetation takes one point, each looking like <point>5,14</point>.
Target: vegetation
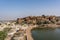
<point>43,16</point>
<point>3,35</point>
<point>42,22</point>
<point>38,20</point>
<point>57,20</point>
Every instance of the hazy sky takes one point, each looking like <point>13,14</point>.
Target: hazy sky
<point>20,8</point>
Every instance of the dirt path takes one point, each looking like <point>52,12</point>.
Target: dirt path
<point>28,32</point>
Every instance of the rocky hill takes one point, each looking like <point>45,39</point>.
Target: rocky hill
<point>38,20</point>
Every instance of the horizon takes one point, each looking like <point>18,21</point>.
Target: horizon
<point>12,9</point>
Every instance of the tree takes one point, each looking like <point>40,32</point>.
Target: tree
<point>43,16</point>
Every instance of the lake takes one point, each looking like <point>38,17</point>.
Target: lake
<point>46,34</point>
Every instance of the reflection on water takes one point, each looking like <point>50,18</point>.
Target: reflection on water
<point>46,34</point>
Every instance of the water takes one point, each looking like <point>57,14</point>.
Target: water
<point>46,34</point>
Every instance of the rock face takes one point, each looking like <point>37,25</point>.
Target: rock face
<point>38,20</point>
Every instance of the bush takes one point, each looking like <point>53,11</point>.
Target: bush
<point>3,35</point>
<point>45,22</point>
<point>57,20</point>
<point>38,22</point>
<point>42,22</point>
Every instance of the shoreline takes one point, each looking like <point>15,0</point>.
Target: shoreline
<point>30,28</point>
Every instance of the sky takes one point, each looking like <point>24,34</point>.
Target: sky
<point>12,9</point>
